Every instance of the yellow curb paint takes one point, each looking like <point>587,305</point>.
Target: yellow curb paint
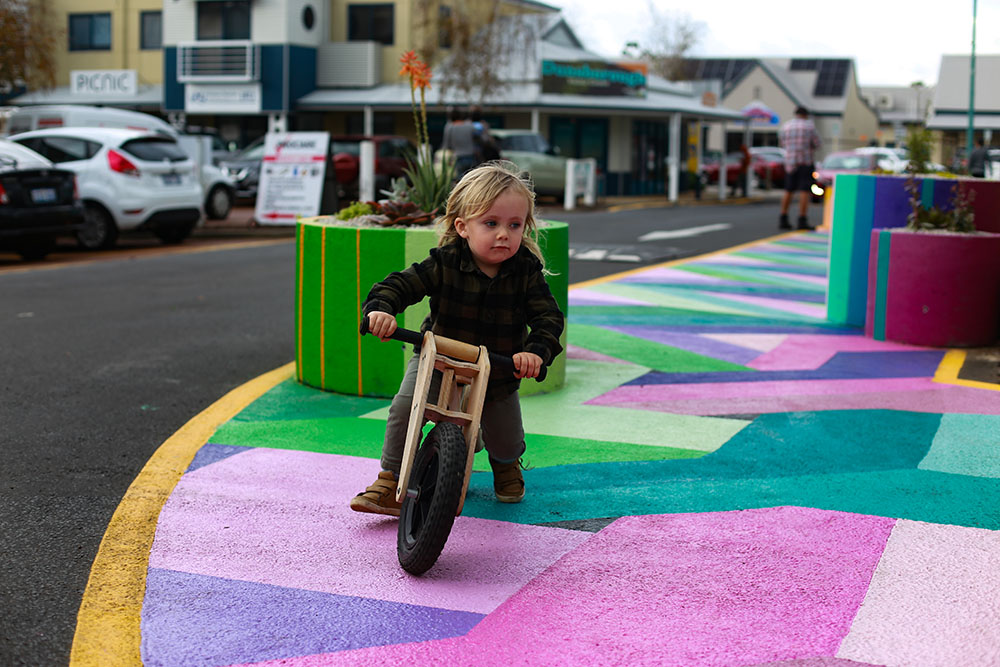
<point>322,307</point>
<point>107,625</point>
<point>298,315</point>
<point>949,368</point>
<point>357,296</point>
<point>684,260</point>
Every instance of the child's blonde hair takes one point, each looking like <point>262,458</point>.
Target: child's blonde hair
<point>476,193</point>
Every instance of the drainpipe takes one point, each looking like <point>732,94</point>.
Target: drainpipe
<point>369,118</point>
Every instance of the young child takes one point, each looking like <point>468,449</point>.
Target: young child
<point>486,287</point>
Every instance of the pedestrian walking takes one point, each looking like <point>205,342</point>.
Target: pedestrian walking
<point>486,287</point>
<point>977,160</point>
<point>800,140</point>
<point>459,139</point>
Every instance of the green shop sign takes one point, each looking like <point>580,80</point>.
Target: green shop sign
<point>593,78</point>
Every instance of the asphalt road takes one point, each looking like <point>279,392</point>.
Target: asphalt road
<point>105,358</point>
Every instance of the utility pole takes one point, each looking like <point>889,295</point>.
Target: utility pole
<point>972,88</point>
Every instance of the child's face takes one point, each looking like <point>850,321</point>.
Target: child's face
<point>495,236</point>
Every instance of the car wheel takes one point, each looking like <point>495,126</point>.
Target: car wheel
<point>174,233</point>
<point>99,230</point>
<point>34,248</point>
<point>219,202</point>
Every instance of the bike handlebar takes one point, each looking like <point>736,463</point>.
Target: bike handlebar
<point>498,362</point>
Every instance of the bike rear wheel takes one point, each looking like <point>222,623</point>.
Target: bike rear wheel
<point>432,498</point>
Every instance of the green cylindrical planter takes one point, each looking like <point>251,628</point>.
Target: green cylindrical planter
<point>335,266</point>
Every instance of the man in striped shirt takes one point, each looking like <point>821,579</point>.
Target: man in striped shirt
<point>800,140</point>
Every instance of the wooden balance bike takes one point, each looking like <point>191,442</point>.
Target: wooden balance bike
<point>434,475</point>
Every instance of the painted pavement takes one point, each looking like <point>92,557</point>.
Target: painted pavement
<point>726,479</point>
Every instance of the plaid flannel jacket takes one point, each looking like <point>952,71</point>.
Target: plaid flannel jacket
<point>469,306</point>
<point>800,140</point>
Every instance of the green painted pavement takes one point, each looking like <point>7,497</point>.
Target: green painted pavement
<point>644,352</point>
<point>291,400</point>
<point>966,445</point>
<point>782,258</point>
<point>663,298</point>
<point>745,274</point>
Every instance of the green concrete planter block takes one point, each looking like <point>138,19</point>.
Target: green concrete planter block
<point>335,266</point>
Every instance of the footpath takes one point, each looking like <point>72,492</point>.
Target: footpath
<point>725,479</point>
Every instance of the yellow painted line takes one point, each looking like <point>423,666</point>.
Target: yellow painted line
<point>322,307</point>
<point>301,232</point>
<point>684,260</point>
<point>949,368</point>
<point>107,625</point>
<point>357,287</point>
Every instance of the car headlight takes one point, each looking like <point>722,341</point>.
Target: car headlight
<point>817,190</point>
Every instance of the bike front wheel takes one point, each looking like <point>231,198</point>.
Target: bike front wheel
<point>432,498</point>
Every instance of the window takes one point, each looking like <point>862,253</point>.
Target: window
<point>150,30</point>
<point>445,27</point>
<point>90,32</point>
<point>370,22</point>
<point>63,149</point>
<point>155,150</point>
<point>803,64</point>
<point>224,20</point>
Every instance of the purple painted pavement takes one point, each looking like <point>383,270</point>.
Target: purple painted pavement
<point>575,352</point>
<point>223,621</point>
<point>724,588</point>
<point>586,297</point>
<point>668,275</point>
<point>795,396</point>
<point>692,343</point>
<point>793,278</point>
<point>281,517</point>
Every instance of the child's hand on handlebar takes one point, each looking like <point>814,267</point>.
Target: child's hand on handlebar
<point>527,365</point>
<point>381,324</point>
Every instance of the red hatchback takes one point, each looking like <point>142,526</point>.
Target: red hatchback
<point>768,166</point>
<point>391,153</point>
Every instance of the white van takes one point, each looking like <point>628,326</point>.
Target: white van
<point>42,117</point>
<point>218,190</point>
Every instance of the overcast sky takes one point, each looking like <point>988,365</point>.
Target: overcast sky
<point>893,42</point>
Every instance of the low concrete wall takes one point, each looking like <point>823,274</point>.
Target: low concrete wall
<point>336,267</point>
<point>862,203</point>
<point>935,289</point>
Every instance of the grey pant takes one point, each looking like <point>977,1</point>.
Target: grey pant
<point>501,426</point>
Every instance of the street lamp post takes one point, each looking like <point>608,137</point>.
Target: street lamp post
<point>972,87</point>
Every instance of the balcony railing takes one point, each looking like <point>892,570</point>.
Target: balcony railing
<point>218,61</point>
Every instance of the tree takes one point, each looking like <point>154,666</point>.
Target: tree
<point>670,38</point>
<point>476,43</point>
<point>28,44</point>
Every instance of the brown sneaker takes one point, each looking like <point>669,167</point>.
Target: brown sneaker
<point>379,498</point>
<point>508,484</point>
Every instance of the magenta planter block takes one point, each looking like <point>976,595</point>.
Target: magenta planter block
<point>934,289</point>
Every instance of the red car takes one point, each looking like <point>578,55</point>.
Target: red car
<point>842,162</point>
<point>765,161</point>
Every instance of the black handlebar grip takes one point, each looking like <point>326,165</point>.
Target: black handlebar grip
<point>498,362</point>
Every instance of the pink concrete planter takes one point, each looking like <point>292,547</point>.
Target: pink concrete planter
<point>934,289</point>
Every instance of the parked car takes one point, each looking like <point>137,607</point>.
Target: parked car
<point>128,180</point>
<point>841,162</point>
<point>887,159</point>
<point>243,169</point>
<point>769,165</point>
<point>532,153</point>
<point>38,203</point>
<point>391,153</point>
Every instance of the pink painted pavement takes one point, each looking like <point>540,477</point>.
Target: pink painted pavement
<point>814,310</point>
<point>724,588</point>
<point>279,517</point>
<point>810,351</point>
<point>934,599</point>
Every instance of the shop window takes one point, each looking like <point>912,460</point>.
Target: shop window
<point>370,23</point>
<point>150,30</point>
<point>90,32</point>
<point>224,20</point>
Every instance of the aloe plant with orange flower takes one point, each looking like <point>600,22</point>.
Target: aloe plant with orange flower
<point>430,186</point>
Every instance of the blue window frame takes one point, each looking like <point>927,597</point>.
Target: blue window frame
<point>90,32</point>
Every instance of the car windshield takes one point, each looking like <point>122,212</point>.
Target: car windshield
<point>155,150</point>
<point>528,143</point>
<point>845,162</point>
<point>349,147</point>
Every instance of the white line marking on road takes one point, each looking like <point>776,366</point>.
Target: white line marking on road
<point>684,233</point>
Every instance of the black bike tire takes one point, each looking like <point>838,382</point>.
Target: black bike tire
<point>433,494</point>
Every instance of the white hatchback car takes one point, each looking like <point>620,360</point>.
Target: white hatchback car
<point>128,180</point>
